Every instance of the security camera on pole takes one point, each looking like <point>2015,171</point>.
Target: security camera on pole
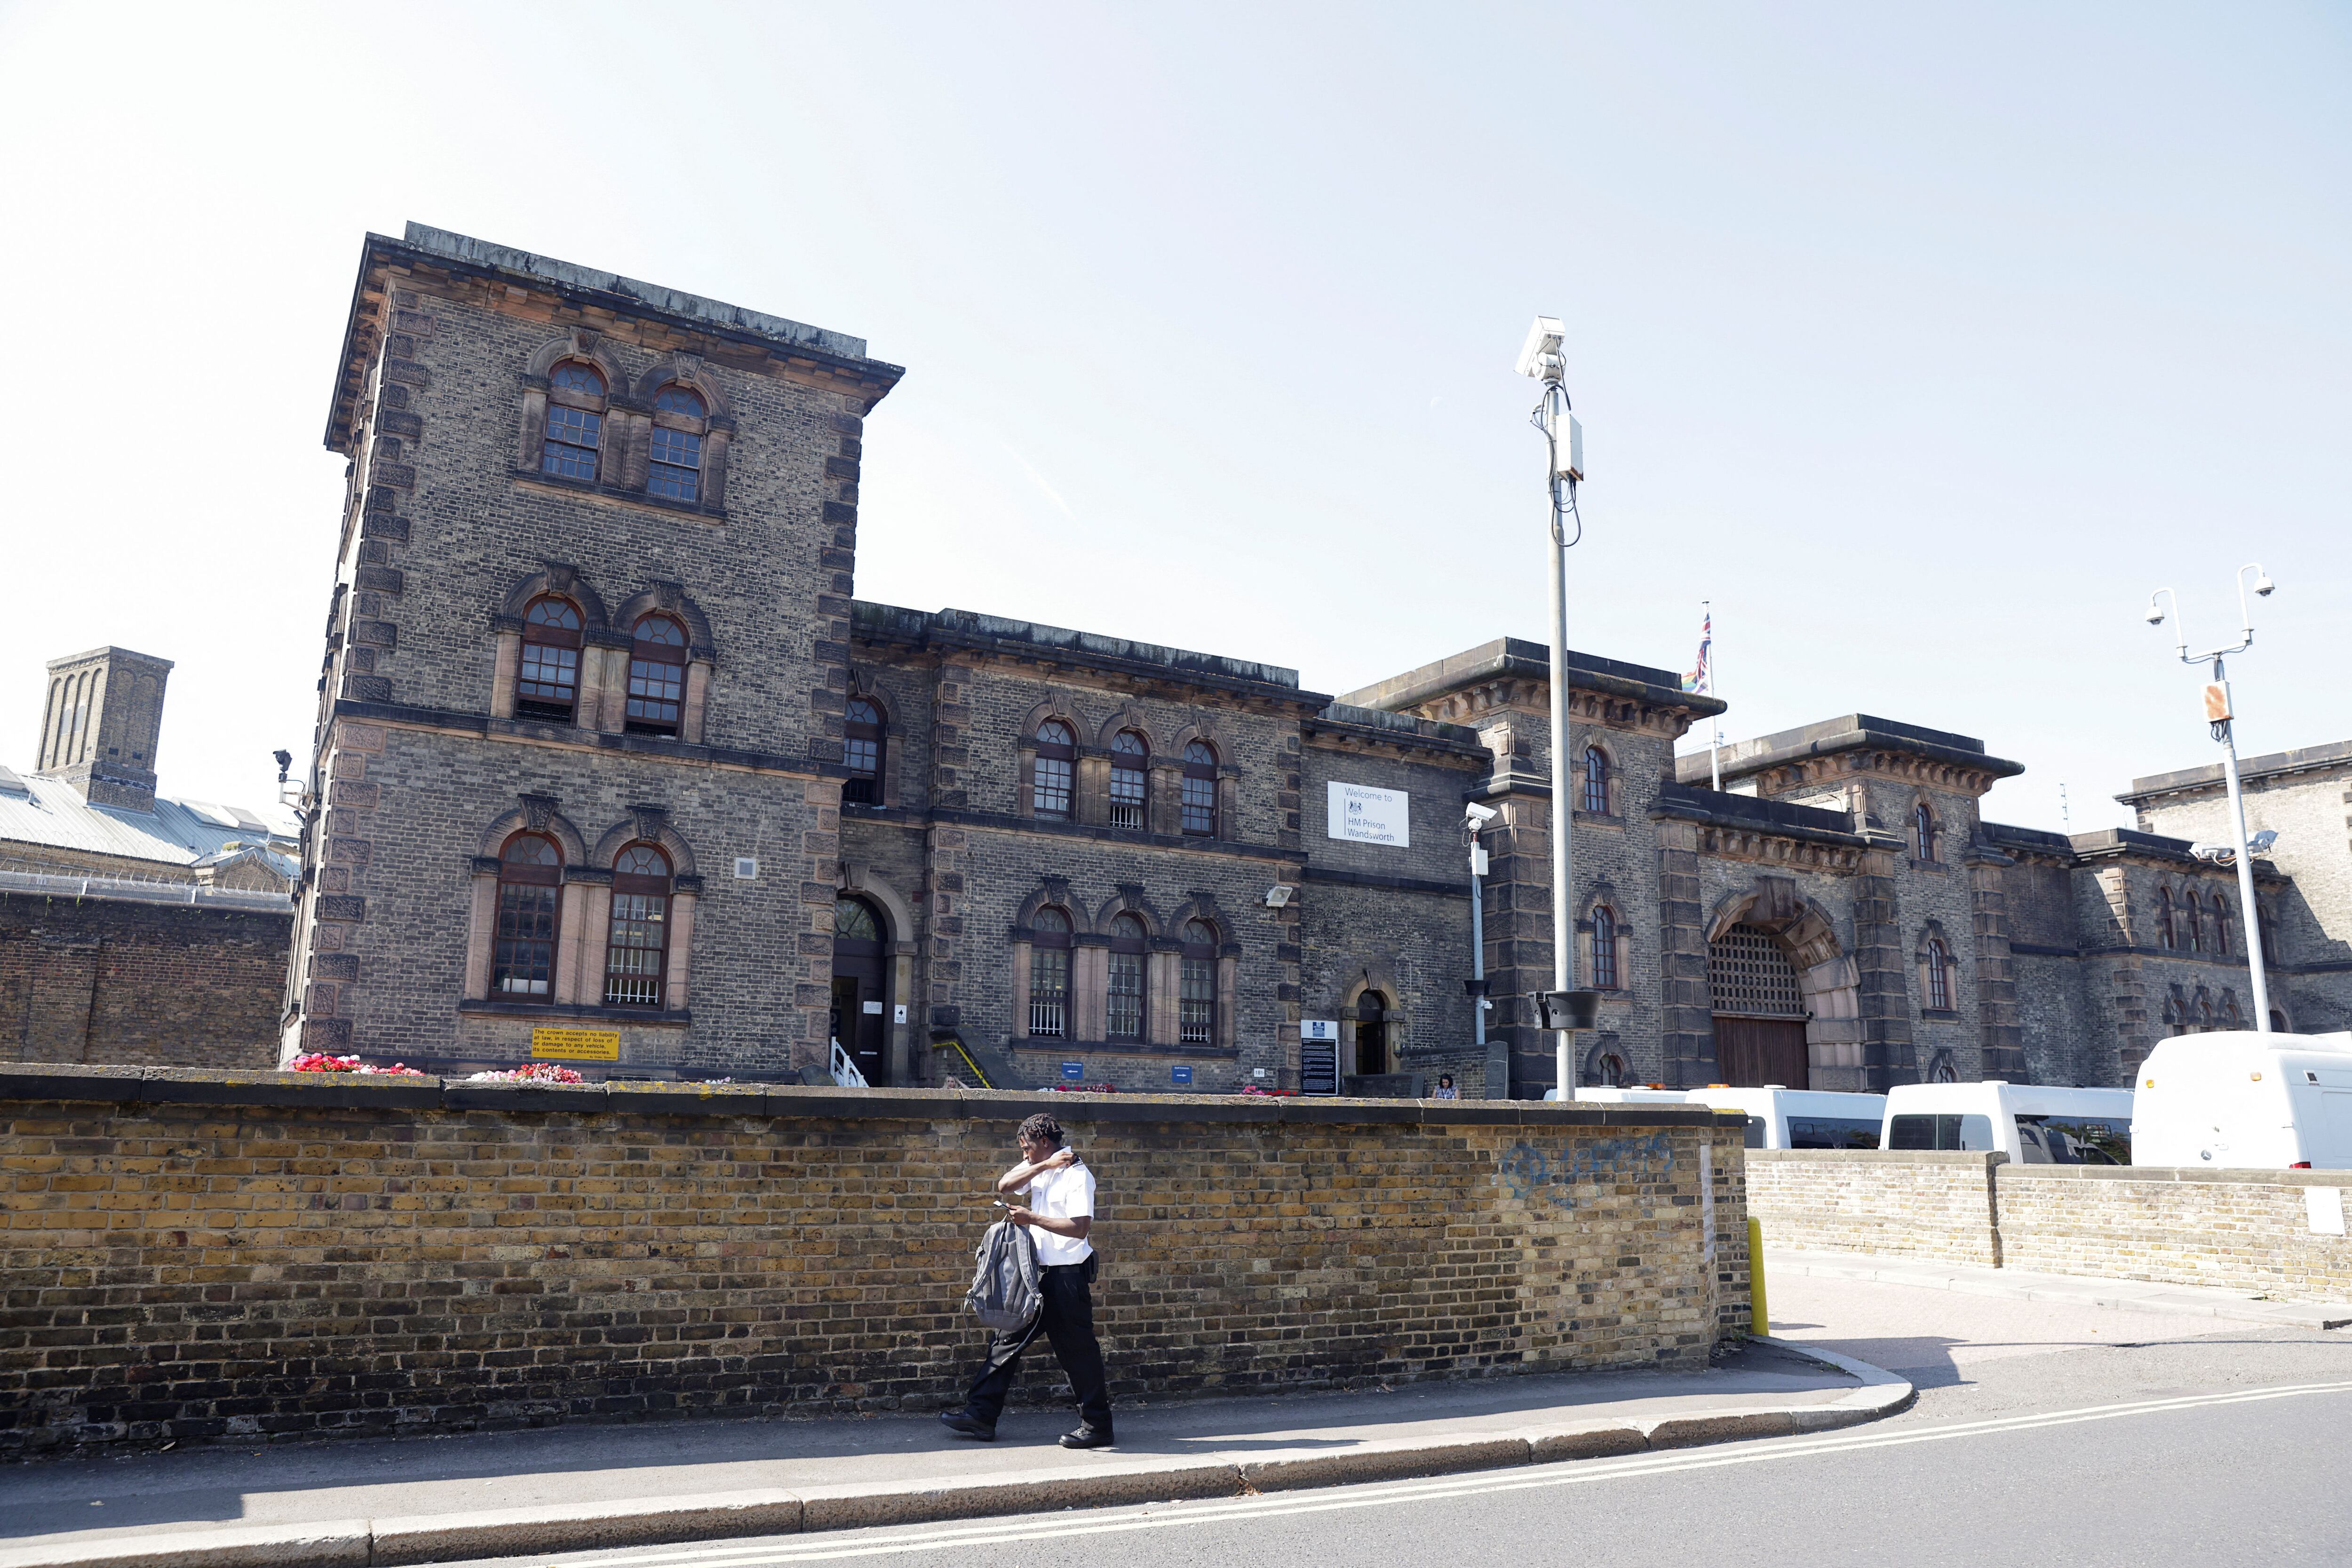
<point>2221,715</point>
<point>1562,1009</point>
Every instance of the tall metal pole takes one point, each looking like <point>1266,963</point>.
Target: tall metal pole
<point>1498,1072</point>
<point>1715,743</point>
<point>2252,929</point>
<point>1563,812</point>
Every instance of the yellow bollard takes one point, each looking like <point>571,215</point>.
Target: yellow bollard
<point>1760,1315</point>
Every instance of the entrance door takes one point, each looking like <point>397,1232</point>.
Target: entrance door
<point>861,988</point>
<point>1752,1052</point>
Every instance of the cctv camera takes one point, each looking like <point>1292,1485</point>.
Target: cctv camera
<point>1540,354</point>
<point>1478,815</point>
<point>2260,842</point>
<point>2264,586</point>
<point>2155,617</point>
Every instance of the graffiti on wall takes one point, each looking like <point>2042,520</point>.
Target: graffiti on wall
<point>1529,1172</point>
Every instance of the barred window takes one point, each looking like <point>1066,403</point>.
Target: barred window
<point>1130,781</point>
<point>547,683</point>
<point>637,955</point>
<point>2167,931</point>
<point>1939,975</point>
<point>1196,998</point>
<point>861,750</point>
<point>1596,781</point>
<point>1126,1020</point>
<point>576,421</point>
<point>656,677</point>
<point>522,960</point>
<point>1056,751</point>
<point>1751,976</point>
<point>1200,789</point>
<point>1604,949</point>
<point>1049,974</point>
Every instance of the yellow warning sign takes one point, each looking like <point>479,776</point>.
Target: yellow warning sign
<point>575,1044</point>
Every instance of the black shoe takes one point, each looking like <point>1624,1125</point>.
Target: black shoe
<point>964,1423</point>
<point>1087,1437</point>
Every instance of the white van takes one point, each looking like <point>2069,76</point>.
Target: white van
<point>2256,1102</point>
<point>2034,1124</point>
<point>1802,1118</point>
<point>1597,1096</point>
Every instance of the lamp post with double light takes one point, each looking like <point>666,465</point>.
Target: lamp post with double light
<point>2221,715</point>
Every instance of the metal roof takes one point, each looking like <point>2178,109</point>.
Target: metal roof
<point>51,814</point>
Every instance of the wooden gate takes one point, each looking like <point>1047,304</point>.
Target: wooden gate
<point>1751,1052</point>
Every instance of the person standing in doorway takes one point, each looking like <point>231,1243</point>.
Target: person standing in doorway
<point>1059,1213</point>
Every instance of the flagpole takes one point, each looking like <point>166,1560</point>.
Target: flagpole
<point>1715,744</point>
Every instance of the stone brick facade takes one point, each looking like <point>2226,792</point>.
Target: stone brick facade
<point>903,880</point>
<point>405,1255</point>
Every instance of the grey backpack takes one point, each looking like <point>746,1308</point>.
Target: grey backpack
<point>1003,1294</point>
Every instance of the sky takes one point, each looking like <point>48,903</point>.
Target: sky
<point>1925,343</point>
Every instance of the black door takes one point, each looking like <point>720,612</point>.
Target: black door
<point>1752,1052</point>
<point>861,988</point>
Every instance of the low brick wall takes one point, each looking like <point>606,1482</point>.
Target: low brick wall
<point>2247,1230</point>
<point>194,1255</point>
<point>1906,1205</point>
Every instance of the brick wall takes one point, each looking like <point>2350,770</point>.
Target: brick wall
<point>1907,1205</point>
<point>257,1256</point>
<point>2245,1230</point>
<point>104,979</point>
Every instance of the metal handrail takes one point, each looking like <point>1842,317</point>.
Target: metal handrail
<point>845,1070</point>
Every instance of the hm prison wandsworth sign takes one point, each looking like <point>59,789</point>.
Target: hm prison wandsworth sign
<point>1363,815</point>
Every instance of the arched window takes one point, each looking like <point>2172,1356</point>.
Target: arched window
<point>1596,781</point>
<point>547,683</point>
<point>1604,948</point>
<point>1200,789</point>
<point>576,421</point>
<point>1049,974</point>
<point>1939,975</point>
<point>2231,1018</point>
<point>656,676</point>
<point>861,750</point>
<point>2195,908</point>
<point>675,470</point>
<point>1057,751</point>
<point>1126,1018</point>
<point>2220,912</point>
<point>1942,1069</point>
<point>522,961</point>
<point>1609,1071</point>
<point>2176,1011</point>
<point>1196,990</point>
<point>637,955</point>
<point>2204,1011</point>
<point>1923,832</point>
<point>1130,782</point>
<point>2266,931</point>
<point>2167,931</point>
<point>1371,1032</point>
<point>852,921</point>
<point>2278,1023</point>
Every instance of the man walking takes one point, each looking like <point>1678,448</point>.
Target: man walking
<point>1060,1213</point>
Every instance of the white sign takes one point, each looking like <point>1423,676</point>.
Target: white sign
<point>1363,815</point>
<point>1319,1028</point>
<point>2324,1207</point>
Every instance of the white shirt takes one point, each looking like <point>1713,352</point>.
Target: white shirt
<point>1062,1194</point>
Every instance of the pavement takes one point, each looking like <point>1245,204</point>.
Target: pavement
<point>362,1503</point>
<point>1855,1339</point>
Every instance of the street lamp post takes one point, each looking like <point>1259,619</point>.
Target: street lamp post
<point>2219,713</point>
<point>1474,818</point>
<point>1540,357</point>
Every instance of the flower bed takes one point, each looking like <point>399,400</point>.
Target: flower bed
<point>530,1072</point>
<point>319,1061</point>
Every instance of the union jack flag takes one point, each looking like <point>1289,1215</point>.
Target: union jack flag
<point>1702,679</point>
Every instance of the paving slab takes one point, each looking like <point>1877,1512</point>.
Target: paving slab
<point>2023,1285</point>
<point>421,1499</point>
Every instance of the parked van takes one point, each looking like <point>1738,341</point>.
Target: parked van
<point>2253,1101</point>
<point>1802,1118</point>
<point>1595,1095</point>
<point>2034,1124</point>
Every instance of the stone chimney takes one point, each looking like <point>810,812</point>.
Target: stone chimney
<point>99,723</point>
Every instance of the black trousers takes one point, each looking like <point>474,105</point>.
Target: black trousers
<point>1068,1322</point>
